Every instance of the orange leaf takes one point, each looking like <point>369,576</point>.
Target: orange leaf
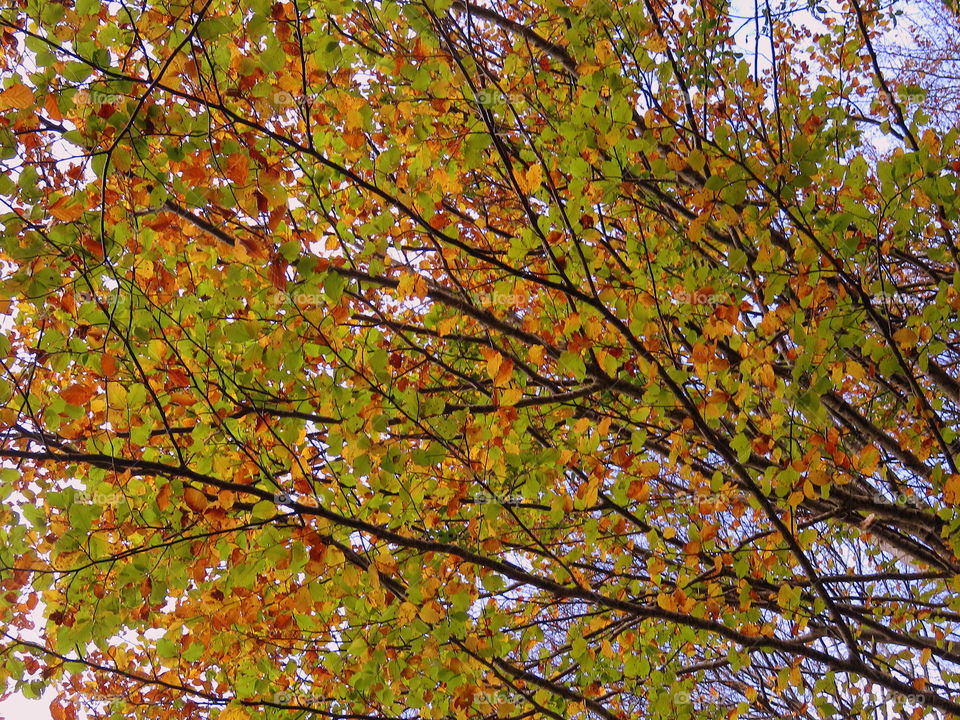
<point>226,499</point>
<point>77,394</point>
<point>178,377</point>
<point>195,499</point>
<point>639,490</point>
<point>354,138</point>
<point>504,373</point>
<point>50,105</point>
<point>439,221</point>
<point>108,365</point>
<point>951,490</point>
<point>66,209</point>
<point>701,353</point>
<point>163,497</point>
<point>17,96</point>
<point>237,168</point>
<point>182,398</point>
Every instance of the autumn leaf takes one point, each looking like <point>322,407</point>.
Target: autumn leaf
<point>67,209</point>
<point>951,489</point>
<point>238,168</point>
<point>18,96</point>
<point>639,491</point>
<point>531,178</point>
<point>234,712</point>
<point>354,138</point>
<point>503,373</point>
<point>195,499</point>
<point>78,394</point>
<point>108,365</point>
<point>429,613</point>
<point>163,496</point>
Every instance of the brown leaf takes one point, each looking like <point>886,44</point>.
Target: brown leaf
<point>195,499</point>
<point>277,272</point>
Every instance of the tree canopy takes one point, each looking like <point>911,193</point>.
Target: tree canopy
<point>373,359</point>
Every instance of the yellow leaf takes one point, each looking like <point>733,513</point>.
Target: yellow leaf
<point>420,287</point>
<point>602,50</point>
<point>446,326</point>
<point>905,337</point>
<point>666,602</point>
<point>234,712</point>
<point>494,360</point>
<point>675,162</point>
<point>696,160</point>
<point>510,396</point>
<point>951,490</point>
<point>429,614</point>
<point>406,284</point>
<point>302,601</point>
<point>334,556</point>
<point>766,376</point>
<point>649,469</point>
<point>855,370</point>
<point>407,612</point>
<point>530,179</point>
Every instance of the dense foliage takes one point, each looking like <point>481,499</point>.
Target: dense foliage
<point>427,359</point>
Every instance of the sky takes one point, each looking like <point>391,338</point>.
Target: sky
<point>18,707</point>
